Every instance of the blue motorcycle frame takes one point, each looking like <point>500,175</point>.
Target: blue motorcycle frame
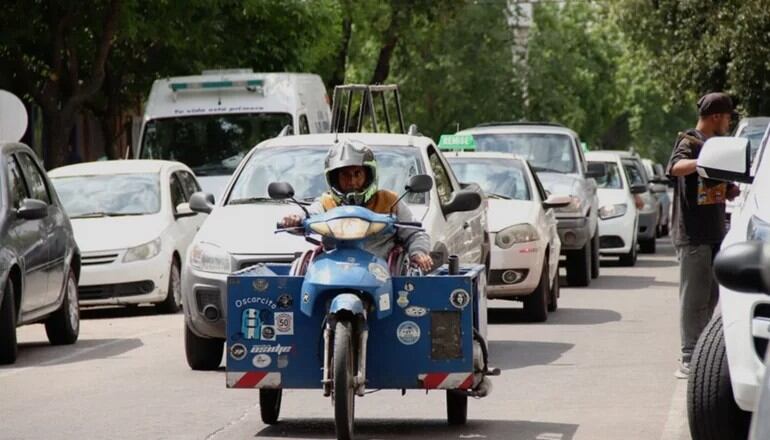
<point>319,316</point>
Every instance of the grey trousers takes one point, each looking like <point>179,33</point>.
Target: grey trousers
<point>698,293</point>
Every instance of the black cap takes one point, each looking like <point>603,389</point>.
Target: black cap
<point>715,103</point>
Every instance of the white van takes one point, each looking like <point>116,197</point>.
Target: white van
<point>210,121</point>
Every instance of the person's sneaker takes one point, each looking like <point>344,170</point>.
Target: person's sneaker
<point>683,372</point>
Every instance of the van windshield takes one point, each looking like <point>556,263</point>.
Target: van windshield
<point>212,145</point>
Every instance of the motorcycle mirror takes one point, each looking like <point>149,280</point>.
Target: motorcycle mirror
<point>421,183</point>
<point>280,190</point>
<point>739,267</point>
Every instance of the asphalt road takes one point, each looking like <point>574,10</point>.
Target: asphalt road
<point>600,368</point>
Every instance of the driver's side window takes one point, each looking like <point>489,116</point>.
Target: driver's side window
<point>442,180</point>
<point>177,192</point>
<point>17,188</point>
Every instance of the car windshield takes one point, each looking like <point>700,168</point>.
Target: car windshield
<point>612,179</point>
<point>634,173</point>
<point>545,151</point>
<point>212,145</point>
<point>498,178</point>
<point>109,195</point>
<point>303,168</point>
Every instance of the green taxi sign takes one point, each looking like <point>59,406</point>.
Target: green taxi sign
<point>457,142</point>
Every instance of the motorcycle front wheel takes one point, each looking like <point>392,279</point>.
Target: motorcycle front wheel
<point>344,390</point>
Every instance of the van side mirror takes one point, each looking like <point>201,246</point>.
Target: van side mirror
<point>638,188</point>
<point>596,169</point>
<point>184,210</point>
<point>461,201</point>
<point>280,190</point>
<point>202,202</point>
<point>740,267</point>
<point>421,183</point>
<point>32,209</point>
<point>726,158</point>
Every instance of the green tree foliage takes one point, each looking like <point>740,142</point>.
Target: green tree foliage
<point>700,47</point>
<point>456,69</point>
<point>571,69</point>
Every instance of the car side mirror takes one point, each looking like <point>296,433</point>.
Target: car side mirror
<point>202,202</point>
<point>740,267</point>
<point>461,201</point>
<point>32,209</point>
<point>726,158</point>
<point>280,190</point>
<point>556,202</point>
<point>184,210</point>
<point>638,188</point>
<point>420,183</point>
<point>596,169</point>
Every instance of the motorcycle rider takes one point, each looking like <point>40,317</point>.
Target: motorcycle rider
<point>351,174</point>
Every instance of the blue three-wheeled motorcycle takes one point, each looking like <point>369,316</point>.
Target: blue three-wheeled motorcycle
<point>311,323</point>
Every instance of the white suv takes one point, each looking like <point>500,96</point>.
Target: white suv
<point>727,365</point>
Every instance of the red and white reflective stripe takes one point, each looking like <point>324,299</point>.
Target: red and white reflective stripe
<point>253,379</point>
<point>446,381</point>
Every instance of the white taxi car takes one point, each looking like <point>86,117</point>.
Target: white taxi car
<point>240,231</point>
<point>524,263</point>
<point>133,225</point>
<point>618,211</point>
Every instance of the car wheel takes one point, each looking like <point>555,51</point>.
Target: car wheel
<point>173,301</point>
<point>647,246</point>
<point>579,266</point>
<point>553,304</point>
<point>536,303</point>
<point>63,326</point>
<point>270,405</point>
<point>8,346</point>
<point>203,354</point>
<point>629,259</point>
<point>595,256</point>
<point>711,408</point>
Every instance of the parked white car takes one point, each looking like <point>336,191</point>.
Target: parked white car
<point>133,225</point>
<point>618,212</point>
<point>524,263</point>
<point>240,231</point>
<point>727,366</point>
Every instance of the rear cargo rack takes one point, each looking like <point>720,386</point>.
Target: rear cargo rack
<point>352,104</point>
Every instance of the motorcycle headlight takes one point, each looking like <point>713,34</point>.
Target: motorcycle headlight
<point>347,228</point>
<point>511,235</point>
<point>575,206</point>
<point>758,229</point>
<point>611,211</point>
<point>143,251</point>
<point>210,258</point>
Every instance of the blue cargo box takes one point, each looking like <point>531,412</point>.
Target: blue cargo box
<point>425,343</point>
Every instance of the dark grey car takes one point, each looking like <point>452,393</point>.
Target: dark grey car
<point>39,260</point>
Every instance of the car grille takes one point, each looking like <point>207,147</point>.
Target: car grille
<point>96,259</point>
<point>610,241</point>
<point>106,291</point>
<point>243,263</point>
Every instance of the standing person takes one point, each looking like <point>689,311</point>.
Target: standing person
<point>698,222</point>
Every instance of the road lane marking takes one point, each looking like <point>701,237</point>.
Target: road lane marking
<point>77,353</point>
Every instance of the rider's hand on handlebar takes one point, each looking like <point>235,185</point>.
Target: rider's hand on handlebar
<point>291,221</point>
<point>423,261</point>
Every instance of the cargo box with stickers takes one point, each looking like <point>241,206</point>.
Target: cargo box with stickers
<point>272,343</point>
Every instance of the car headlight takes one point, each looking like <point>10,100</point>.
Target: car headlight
<point>575,206</point>
<point>210,258</point>
<point>611,211</point>
<point>143,251</point>
<point>347,228</point>
<point>758,229</point>
<point>511,235</point>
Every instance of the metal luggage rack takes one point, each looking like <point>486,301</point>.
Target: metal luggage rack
<point>353,103</point>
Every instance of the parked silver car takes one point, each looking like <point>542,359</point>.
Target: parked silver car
<point>555,154</point>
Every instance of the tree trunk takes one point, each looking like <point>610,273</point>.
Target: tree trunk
<point>338,76</point>
<point>58,127</point>
<point>382,69</point>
